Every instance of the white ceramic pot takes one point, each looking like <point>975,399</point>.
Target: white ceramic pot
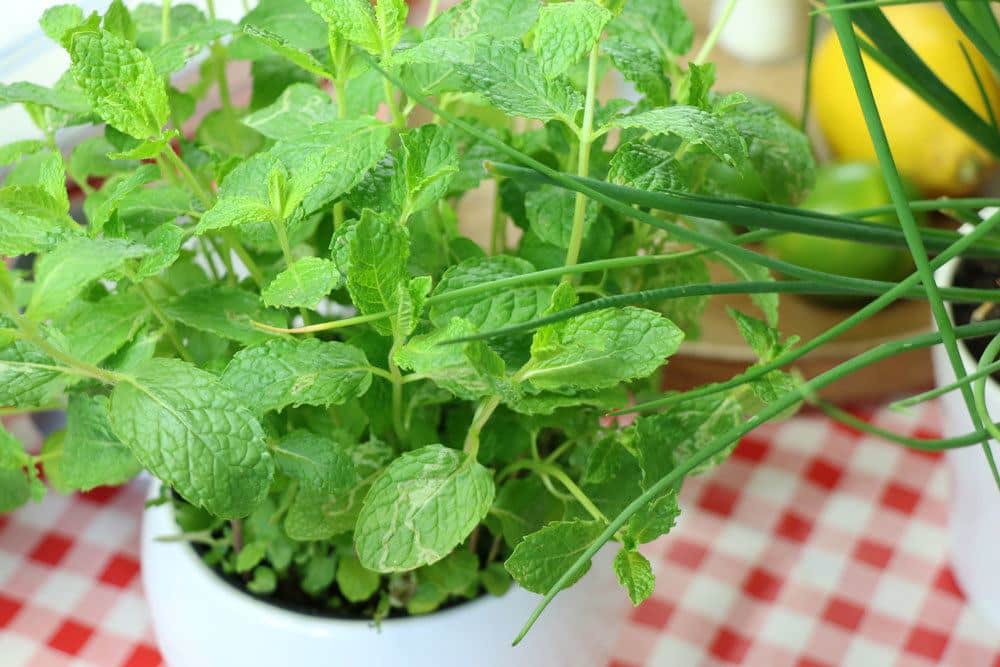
<point>202,621</point>
<point>975,507</point>
<point>762,31</point>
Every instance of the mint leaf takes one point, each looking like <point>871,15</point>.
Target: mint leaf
<point>425,503</point>
<point>194,433</point>
<point>120,81</point>
<point>429,160</point>
<point>657,518</point>
<point>318,463</point>
<point>90,454</point>
<point>489,311</point>
<point>550,214</point>
<point>502,19</point>
<point>164,244</point>
<point>412,298</point>
<point>293,20</point>
<point>391,18</point>
<point>278,45</point>
<point>449,365</point>
<point>294,113</point>
<point>744,270</point>
<point>285,372</point>
<point>524,506</point>
<point>545,555</point>
<point>657,26</point>
<point>61,99</point>
<point>356,582</point>
<point>233,211</point>
<point>228,312</point>
<point>303,284</point>
<point>112,194</point>
<point>643,67</point>
<point>95,331</point>
<point>640,165</point>
<point>354,20</point>
<point>314,515</point>
<point>23,383</point>
<point>693,126</point>
<point>31,221</point>
<point>665,439</point>
<point>65,272</point>
<point>12,152</point>
<point>566,32</point>
<point>377,253</point>
<point>58,19</point>
<point>90,159</point>
<point>602,349</point>
<point>635,574</point>
<point>175,54</point>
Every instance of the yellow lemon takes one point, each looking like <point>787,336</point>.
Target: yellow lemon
<point>932,152</point>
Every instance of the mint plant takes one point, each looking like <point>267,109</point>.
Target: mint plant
<point>278,314</point>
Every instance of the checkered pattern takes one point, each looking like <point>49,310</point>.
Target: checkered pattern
<point>813,545</point>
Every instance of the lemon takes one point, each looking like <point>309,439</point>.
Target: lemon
<point>929,150</point>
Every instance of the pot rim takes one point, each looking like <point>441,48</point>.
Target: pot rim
<point>251,604</point>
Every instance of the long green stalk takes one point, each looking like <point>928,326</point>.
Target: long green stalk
<point>849,45</point>
<point>586,139</point>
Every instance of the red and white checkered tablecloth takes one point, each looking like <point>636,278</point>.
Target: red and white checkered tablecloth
<point>813,545</point>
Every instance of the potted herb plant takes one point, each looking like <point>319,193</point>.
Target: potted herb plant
<point>355,413</point>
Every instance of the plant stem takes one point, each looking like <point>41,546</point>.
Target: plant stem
<point>229,236</point>
<point>432,11</point>
<point>979,389</point>
<point>560,475</point>
<point>849,45</point>
<point>396,378</point>
<point>713,36</point>
<point>922,397</point>
<point>188,177</point>
<point>75,366</point>
<point>168,326</point>
<point>483,414</point>
<point>498,239</point>
<point>583,160</point>
<point>165,22</point>
<point>324,326</point>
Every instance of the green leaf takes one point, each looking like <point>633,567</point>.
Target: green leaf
<point>495,579</point>
<point>116,191</point>
<point>12,152</point>
<point>250,556</point>
<point>232,211</point>
<point>429,160</point>
<point>95,331</point>
<point>657,26</point>
<point>354,20</point>
<point>694,127</point>
<point>294,113</point>
<point>65,272</point>
<point>175,54</point>
<point>655,519</point>
<point>780,154</point>
<point>550,213</point>
<point>566,32</point>
<point>58,19</point>
<point>31,221</point>
<point>545,555</point>
<point>194,433</point>
<point>284,372</point>
<point>603,348</point>
<point>279,46</point>
<point>22,382</point>
<point>640,165</point>
<point>90,454</point>
<point>228,312</point>
<point>643,67</point>
<point>153,206</point>
<point>314,515</point>
<point>525,506</point>
<point>412,298</point>
<point>90,159</point>
<point>424,505</point>
<point>489,311</point>
<point>264,581</point>
<point>391,18</point>
<point>164,243</point>
<point>15,490</point>
<point>59,98</point>
<point>293,20</point>
<point>377,253</point>
<point>118,21</point>
<point>303,284</point>
<point>635,574</point>
<point>356,582</point>
<point>501,19</point>
<point>449,365</point>
<point>319,573</point>
<point>665,439</point>
<point>318,463</point>
<point>120,81</point>
<point>12,454</point>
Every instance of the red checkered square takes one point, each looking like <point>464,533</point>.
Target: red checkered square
<point>70,637</point>
<point>120,571</point>
<point>873,552</point>
<point>51,550</point>
<point>793,526</point>
<point>900,497</point>
<point>718,499</point>
<point>751,449</point>
<point>102,495</point>
<point>144,656</point>
<point>729,646</point>
<point>8,609</point>
<point>809,662</point>
<point>927,643</point>
<point>762,585</point>
<point>653,613</point>
<point>823,473</point>
<point>845,614</point>
<point>945,581</point>
<point>686,553</point>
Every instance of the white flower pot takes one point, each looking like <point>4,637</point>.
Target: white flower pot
<point>975,508</point>
<point>202,621</point>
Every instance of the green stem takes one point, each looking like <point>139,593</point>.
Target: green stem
<point>324,326</point>
<point>165,22</point>
<point>849,45</point>
<point>583,160</point>
<point>979,390</point>
<point>396,378</point>
<point>922,397</point>
<point>168,326</point>
<point>234,243</point>
<point>483,414</point>
<point>560,475</point>
<point>498,239</point>
<point>432,11</point>
<point>188,177</point>
<point>713,36</point>
<point>74,365</point>
<point>722,442</point>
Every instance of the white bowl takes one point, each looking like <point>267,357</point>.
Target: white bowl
<point>202,621</point>
<point>975,507</point>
